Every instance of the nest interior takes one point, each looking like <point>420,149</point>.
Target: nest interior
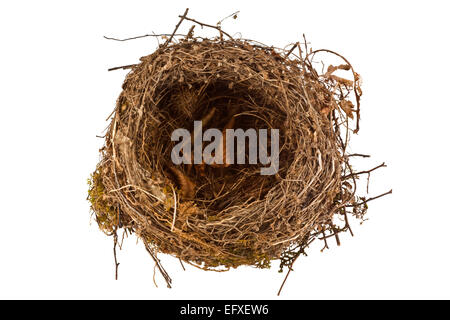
<point>221,216</point>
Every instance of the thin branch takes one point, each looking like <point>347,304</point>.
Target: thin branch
<point>209,26</point>
<point>347,224</point>
<point>370,199</point>
<point>287,275</point>
<point>115,255</point>
<point>182,265</point>
<point>336,234</point>
<point>359,155</point>
<point>144,36</point>
<point>176,28</point>
<point>291,50</point>
<point>325,241</point>
<point>234,15</point>
<point>123,67</point>
<point>363,172</point>
<point>300,252</point>
<point>190,33</point>
<point>159,266</point>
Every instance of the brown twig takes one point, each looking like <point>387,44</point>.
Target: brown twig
<point>144,36</point>
<point>182,265</point>
<point>363,172</point>
<point>325,242</point>
<point>190,33</point>
<point>234,15</point>
<point>292,49</point>
<point>359,155</point>
<point>300,252</point>
<point>123,67</point>
<point>370,199</point>
<point>176,28</point>
<point>115,255</point>
<point>347,224</point>
<point>336,234</point>
<point>159,266</point>
<point>287,275</point>
<point>208,25</point>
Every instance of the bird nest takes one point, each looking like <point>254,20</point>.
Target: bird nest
<point>217,216</point>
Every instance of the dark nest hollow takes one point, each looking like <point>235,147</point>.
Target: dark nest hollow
<point>220,216</point>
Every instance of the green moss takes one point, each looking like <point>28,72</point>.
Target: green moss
<point>247,256</point>
<point>213,218</point>
<point>105,213</point>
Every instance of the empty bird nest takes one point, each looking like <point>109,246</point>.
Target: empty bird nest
<point>218,216</point>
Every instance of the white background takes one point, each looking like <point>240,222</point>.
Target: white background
<point>55,95</point>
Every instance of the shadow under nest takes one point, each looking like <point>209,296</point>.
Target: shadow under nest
<point>220,216</point>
